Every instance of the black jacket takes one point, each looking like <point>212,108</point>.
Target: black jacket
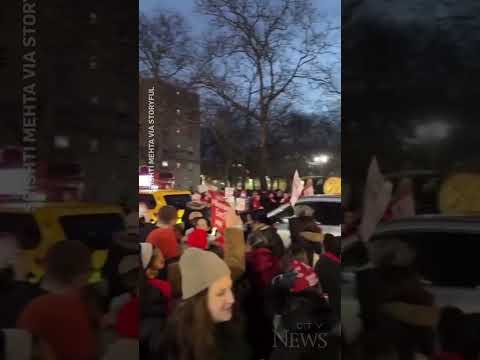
<point>15,296</point>
<point>329,275</point>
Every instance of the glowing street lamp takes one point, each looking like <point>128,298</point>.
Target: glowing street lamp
<point>321,159</point>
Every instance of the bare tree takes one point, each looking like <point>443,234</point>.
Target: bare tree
<point>258,54</point>
<point>165,45</point>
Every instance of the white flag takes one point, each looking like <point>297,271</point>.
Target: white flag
<point>378,193</point>
<point>297,188</point>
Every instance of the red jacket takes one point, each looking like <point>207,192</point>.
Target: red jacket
<point>263,265</point>
<point>128,319</point>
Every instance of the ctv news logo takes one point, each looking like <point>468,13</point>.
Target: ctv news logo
<point>306,335</point>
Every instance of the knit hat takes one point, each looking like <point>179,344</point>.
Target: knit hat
<point>200,269</point>
<point>146,253</point>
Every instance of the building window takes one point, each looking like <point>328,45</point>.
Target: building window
<point>190,166</point>
<point>93,145</point>
<point>165,163</point>
<point>178,92</point>
<point>178,131</point>
<point>190,149</point>
<point>61,142</point>
<point>179,165</point>
<point>92,63</point>
<point>178,111</point>
<point>93,18</point>
<point>179,146</point>
<point>94,100</point>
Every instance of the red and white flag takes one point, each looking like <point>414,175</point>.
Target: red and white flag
<point>378,193</point>
<point>297,188</point>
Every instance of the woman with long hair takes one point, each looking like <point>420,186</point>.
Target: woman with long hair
<point>204,326</point>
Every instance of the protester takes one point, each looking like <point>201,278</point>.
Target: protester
<point>164,237</point>
<point>306,276</point>
<point>328,269</point>
<point>144,222</point>
<point>305,231</point>
<point>256,201</point>
<point>204,325</point>
<point>260,224</point>
<point>16,292</point>
<point>156,301</point>
<point>67,319</point>
<point>197,206</point>
<point>199,236</point>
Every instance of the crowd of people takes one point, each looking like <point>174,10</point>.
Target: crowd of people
<point>176,290</point>
<point>400,318</point>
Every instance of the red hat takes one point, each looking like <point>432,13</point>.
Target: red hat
<point>198,239</point>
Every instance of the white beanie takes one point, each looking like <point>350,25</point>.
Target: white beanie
<point>199,269</point>
<point>146,253</point>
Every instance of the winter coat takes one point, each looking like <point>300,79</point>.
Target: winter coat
<point>328,270</point>
<point>15,296</point>
<point>262,267</point>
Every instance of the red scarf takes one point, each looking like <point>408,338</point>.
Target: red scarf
<point>332,257</point>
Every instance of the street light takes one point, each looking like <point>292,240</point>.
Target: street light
<point>321,159</point>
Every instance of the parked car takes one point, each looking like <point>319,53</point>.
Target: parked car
<point>446,255</point>
<point>37,226</point>
<point>156,199</point>
<point>328,214</point>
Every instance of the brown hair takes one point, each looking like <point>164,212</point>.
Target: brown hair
<point>194,329</point>
<point>67,260</point>
<point>167,213</point>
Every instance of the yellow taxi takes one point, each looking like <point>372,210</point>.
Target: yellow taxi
<point>37,226</point>
<point>156,199</point>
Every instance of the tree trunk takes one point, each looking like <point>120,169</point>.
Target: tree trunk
<point>264,166</point>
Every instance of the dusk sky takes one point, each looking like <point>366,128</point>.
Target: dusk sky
<point>329,8</point>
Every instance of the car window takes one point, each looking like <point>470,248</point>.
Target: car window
<point>178,201</point>
<point>328,213</point>
<point>95,230</point>
<point>148,200</point>
<point>445,259</point>
<point>23,226</point>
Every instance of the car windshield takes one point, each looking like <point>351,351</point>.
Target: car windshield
<point>148,200</point>
<point>178,201</point>
<point>95,230</point>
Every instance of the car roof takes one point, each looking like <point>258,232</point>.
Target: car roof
<point>308,199</point>
<point>432,223</point>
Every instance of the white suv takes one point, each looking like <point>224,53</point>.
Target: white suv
<point>328,214</point>
<point>447,255</point>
